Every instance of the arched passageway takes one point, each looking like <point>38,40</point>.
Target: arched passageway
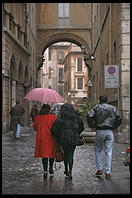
<point>62,37</point>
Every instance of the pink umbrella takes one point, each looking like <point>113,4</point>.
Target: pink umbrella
<point>44,95</point>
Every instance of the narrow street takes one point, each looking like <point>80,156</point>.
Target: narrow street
<point>23,174</point>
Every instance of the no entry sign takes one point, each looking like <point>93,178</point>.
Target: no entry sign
<point>111,74</point>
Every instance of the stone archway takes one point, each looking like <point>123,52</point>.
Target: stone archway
<point>61,37</point>
<point>12,85</point>
<point>25,91</point>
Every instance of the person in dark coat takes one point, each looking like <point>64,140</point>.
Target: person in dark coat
<point>46,145</point>
<point>17,113</point>
<point>34,112</point>
<point>66,130</point>
<point>105,118</point>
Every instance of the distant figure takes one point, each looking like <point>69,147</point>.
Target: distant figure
<point>34,112</point>
<point>66,130</point>
<point>46,145</point>
<point>17,113</point>
<point>104,117</point>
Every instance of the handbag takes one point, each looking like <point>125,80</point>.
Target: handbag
<point>80,141</point>
<point>59,154</point>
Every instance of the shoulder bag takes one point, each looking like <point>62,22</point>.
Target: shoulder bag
<point>59,154</point>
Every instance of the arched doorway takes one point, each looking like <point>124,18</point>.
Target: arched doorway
<point>62,37</point>
<point>13,78</point>
<point>12,85</point>
<point>19,86</point>
<point>26,89</point>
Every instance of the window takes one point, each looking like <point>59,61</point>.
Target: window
<point>63,10</point>
<point>10,23</point>
<point>25,39</point>
<point>102,77</point>
<point>60,56</point>
<point>80,83</point>
<point>107,59</point>
<point>18,31</point>
<point>79,64</point>
<point>60,72</point>
<point>114,52</point>
<point>49,54</point>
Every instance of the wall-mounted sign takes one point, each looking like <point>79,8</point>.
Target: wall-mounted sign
<point>89,83</point>
<point>111,75</point>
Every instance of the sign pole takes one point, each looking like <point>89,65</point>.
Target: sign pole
<point>111,73</point>
<point>118,107</point>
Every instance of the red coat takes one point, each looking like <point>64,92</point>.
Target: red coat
<point>46,145</point>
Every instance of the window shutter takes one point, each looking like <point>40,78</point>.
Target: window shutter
<point>60,11</point>
<point>80,83</point>
<point>79,64</point>
<point>66,9</point>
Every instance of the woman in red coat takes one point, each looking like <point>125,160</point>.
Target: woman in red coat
<point>46,145</point>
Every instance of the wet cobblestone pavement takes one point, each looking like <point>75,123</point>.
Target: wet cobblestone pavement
<point>23,174</point>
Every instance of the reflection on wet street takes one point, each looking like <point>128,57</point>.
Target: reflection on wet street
<point>23,174</point>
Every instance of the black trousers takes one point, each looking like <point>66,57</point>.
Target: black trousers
<point>68,156</point>
<point>45,163</point>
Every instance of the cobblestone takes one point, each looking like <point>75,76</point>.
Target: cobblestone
<point>23,174</point>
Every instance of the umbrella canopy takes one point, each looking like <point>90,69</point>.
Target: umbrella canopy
<point>44,95</point>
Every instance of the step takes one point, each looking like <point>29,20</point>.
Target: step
<point>89,137</point>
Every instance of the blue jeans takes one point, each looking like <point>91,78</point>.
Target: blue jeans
<point>104,138</point>
<point>18,130</point>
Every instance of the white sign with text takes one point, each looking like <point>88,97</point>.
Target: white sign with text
<point>111,75</point>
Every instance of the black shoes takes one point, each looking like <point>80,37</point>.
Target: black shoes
<point>68,175</point>
<point>51,172</point>
<point>45,175</point>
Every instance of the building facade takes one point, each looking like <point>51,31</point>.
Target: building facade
<point>75,76</point>
<point>53,67</point>
<point>18,56</point>
<point>111,46</point>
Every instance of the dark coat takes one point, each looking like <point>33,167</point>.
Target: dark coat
<point>17,113</point>
<point>104,116</point>
<point>34,112</point>
<point>67,131</point>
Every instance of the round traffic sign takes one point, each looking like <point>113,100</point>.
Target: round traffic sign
<point>111,70</point>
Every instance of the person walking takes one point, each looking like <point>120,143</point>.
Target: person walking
<point>105,118</point>
<point>45,146</point>
<point>34,112</point>
<point>17,113</point>
<point>66,130</point>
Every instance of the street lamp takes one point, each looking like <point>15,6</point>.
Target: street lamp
<point>69,96</point>
<point>41,63</point>
<point>51,71</point>
<point>87,57</point>
<point>47,78</point>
